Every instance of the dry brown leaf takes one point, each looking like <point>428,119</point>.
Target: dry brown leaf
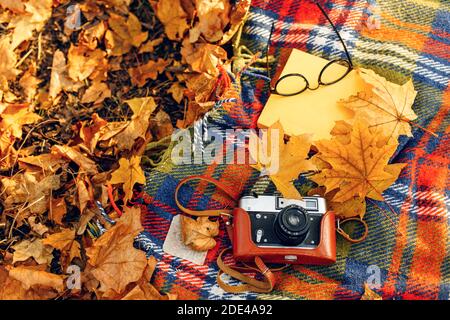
<point>58,209</point>
<point>86,217</point>
<point>86,165</point>
<point>30,277</point>
<point>193,112</point>
<point>124,33</point>
<point>60,80</point>
<point>199,234</point>
<point>203,57</point>
<point>46,162</point>
<point>237,18</point>
<point>8,63</point>
<point>150,70</point>
<point>288,161</point>
<point>150,45</point>
<point>161,125</point>
<point>111,130</point>
<point>201,86</point>
<point>92,133</point>
<point>29,82</point>
<point>14,116</point>
<point>13,5</point>
<point>359,168</point>
<point>29,189</point>
<point>96,93</point>
<point>213,17</point>
<point>173,17</point>
<point>35,249</point>
<point>137,128</point>
<point>177,91</point>
<point>62,240</point>
<point>114,260</point>
<point>65,242</point>
<point>82,62</point>
<point>33,19</point>
<point>386,105</point>
<point>92,36</point>
<point>83,194</point>
<point>128,174</point>
<point>36,226</point>
<point>144,290</point>
<point>12,289</point>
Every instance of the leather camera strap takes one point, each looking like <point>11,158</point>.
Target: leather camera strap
<point>205,213</point>
<point>248,283</point>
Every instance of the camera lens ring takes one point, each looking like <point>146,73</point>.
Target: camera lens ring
<point>292,225</point>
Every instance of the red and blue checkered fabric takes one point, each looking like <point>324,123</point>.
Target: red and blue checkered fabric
<point>411,252</point>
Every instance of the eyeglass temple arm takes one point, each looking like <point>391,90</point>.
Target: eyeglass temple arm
<point>267,51</point>
<point>336,31</point>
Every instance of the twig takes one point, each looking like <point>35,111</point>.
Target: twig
<point>23,58</point>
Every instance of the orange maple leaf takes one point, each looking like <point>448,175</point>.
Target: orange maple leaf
<point>358,168</point>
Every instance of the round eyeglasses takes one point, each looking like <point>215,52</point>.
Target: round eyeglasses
<point>295,83</point>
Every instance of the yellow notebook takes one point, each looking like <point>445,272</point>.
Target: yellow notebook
<point>311,111</point>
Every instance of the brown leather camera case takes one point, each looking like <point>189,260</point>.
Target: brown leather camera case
<point>244,249</point>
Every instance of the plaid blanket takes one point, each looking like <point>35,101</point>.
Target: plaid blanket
<point>409,257</point>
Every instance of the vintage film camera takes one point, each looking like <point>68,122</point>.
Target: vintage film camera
<point>281,230</point>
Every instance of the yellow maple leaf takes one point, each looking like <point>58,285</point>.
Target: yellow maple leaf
<point>358,168</point>
<point>385,104</point>
<point>292,158</point>
<point>142,109</point>
<point>129,173</point>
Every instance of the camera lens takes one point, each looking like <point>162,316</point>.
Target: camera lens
<point>292,225</point>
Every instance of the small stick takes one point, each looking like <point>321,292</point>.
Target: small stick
<point>24,58</point>
<point>39,47</point>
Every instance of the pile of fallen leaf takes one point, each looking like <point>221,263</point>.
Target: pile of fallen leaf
<point>85,86</point>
